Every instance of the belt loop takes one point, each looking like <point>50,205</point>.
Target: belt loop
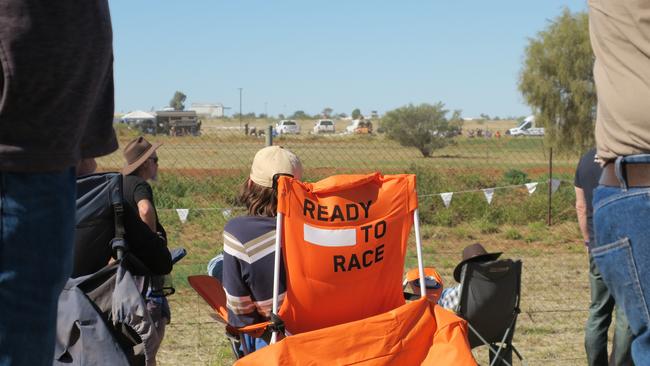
<point>619,168</point>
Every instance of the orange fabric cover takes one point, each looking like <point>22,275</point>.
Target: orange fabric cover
<point>211,290</point>
<point>418,333</point>
<point>344,243</point>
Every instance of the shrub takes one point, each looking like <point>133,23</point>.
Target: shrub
<point>515,176</point>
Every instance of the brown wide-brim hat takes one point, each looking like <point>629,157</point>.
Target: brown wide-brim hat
<point>136,153</point>
<point>474,253</point>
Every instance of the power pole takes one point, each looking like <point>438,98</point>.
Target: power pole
<point>240,90</point>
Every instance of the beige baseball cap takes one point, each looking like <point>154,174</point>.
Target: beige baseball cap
<point>273,160</point>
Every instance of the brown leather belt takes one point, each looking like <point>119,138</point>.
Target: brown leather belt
<point>637,175</point>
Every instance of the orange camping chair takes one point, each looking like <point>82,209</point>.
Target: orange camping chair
<point>343,241</point>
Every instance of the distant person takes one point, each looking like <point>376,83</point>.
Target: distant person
<point>141,167</point>
<point>602,303</point>
<point>620,38</point>
<point>249,243</point>
<point>56,107</point>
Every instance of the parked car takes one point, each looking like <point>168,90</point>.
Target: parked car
<point>359,126</point>
<point>287,126</point>
<point>324,126</point>
<point>526,128</point>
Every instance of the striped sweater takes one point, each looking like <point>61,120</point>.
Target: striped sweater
<point>249,247</point>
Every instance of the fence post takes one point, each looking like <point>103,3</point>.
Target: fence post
<point>269,135</point>
<point>550,185</point>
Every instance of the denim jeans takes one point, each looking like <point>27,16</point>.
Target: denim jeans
<point>37,219</point>
<point>622,252</point>
<point>600,317</point>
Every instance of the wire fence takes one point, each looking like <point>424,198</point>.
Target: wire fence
<point>510,193</point>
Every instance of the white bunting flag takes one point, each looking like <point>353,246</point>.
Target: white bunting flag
<point>489,193</point>
<point>226,212</point>
<point>446,198</point>
<point>182,214</point>
<point>555,184</point>
<point>531,187</point>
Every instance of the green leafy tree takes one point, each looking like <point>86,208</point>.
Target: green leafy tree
<point>327,112</point>
<point>356,113</point>
<point>300,115</point>
<point>424,126</point>
<point>178,101</point>
<point>557,82</point>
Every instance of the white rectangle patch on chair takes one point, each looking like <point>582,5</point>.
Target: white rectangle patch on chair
<point>330,237</point>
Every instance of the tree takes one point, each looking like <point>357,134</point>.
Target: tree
<point>300,115</point>
<point>356,113</point>
<point>177,101</point>
<point>424,126</point>
<point>327,112</point>
<point>557,82</point>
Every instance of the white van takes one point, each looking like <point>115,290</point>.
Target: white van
<point>526,128</point>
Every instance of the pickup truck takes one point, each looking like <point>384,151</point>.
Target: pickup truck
<point>526,128</point>
<point>324,126</point>
<point>287,126</point>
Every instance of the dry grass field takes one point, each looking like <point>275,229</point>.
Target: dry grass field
<point>203,174</point>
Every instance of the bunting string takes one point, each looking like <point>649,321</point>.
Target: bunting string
<point>531,187</point>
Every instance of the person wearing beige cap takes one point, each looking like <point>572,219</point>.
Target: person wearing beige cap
<point>246,269</point>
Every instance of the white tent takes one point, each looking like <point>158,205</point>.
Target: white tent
<point>137,115</point>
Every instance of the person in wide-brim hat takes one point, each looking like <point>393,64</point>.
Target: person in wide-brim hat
<point>474,253</point>
<point>137,152</point>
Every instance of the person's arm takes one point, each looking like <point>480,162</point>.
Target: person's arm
<point>581,211</point>
<point>143,196</point>
<point>147,213</point>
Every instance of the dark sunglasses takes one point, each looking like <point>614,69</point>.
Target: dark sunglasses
<point>277,176</point>
<point>430,283</point>
<point>155,160</point>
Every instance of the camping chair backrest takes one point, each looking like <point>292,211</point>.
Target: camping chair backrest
<point>343,241</point>
<point>490,299</point>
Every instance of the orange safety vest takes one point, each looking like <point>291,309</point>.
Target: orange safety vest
<point>418,333</point>
<point>344,243</point>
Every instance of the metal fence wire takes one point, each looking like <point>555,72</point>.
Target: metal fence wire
<point>510,193</point>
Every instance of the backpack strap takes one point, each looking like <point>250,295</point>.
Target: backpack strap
<point>118,244</point>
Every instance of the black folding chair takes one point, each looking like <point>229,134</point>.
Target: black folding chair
<point>490,303</point>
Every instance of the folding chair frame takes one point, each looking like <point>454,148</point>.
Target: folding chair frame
<point>509,329</point>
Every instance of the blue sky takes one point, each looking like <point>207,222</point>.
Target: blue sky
<point>307,55</point>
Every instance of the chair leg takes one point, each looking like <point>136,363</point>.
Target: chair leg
<point>519,355</point>
<point>501,348</point>
<point>471,328</point>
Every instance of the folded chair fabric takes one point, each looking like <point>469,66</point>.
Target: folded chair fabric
<point>418,333</point>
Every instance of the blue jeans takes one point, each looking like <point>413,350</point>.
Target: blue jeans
<point>622,252</point>
<point>601,310</point>
<point>37,219</point>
